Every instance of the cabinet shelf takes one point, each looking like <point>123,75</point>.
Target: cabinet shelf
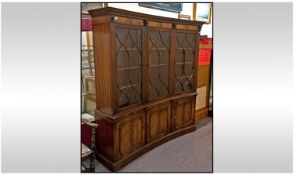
<point>181,63</point>
<point>158,65</point>
<point>129,68</point>
<point>129,86</point>
<point>159,49</point>
<point>187,76</point>
<point>128,49</point>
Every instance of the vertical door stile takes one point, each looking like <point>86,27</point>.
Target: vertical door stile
<point>114,66</point>
<point>172,74</point>
<point>145,75</point>
<point>145,61</point>
<point>172,60</point>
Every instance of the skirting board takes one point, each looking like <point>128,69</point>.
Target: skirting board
<point>201,113</point>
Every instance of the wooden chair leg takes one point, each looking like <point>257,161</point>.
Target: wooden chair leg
<point>93,147</point>
<point>92,163</point>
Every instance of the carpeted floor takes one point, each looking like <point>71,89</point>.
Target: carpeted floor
<point>189,153</point>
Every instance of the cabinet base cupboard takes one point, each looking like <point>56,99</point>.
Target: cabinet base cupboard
<point>146,79</point>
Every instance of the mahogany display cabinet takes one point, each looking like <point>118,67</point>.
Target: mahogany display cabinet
<point>146,82</point>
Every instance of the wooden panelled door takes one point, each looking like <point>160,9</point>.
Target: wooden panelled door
<point>183,112</point>
<point>158,121</point>
<point>131,133</point>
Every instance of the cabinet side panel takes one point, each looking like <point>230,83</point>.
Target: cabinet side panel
<point>103,63</point>
<point>104,138</point>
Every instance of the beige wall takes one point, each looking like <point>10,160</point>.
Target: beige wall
<point>201,97</point>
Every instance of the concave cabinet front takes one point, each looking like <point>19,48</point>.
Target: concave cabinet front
<point>145,82</point>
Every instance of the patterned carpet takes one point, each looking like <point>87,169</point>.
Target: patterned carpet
<point>189,153</point>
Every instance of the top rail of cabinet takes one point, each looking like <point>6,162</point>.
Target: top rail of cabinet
<point>135,15</point>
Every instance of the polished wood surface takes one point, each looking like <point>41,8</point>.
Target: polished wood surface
<point>159,24</point>
<point>131,133</point>
<point>103,63</point>
<point>118,116</point>
<point>158,121</point>
<point>101,19</point>
<point>125,13</point>
<point>183,112</point>
<point>128,21</point>
<point>146,80</point>
<point>105,138</point>
<point>186,27</point>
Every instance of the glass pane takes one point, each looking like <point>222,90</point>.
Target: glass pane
<point>129,58</point>
<point>159,49</point>
<point>185,62</point>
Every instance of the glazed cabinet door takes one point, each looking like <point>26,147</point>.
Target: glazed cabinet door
<point>158,63</point>
<point>128,57</point>
<point>185,61</point>
<point>158,121</point>
<point>183,112</point>
<point>131,133</point>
